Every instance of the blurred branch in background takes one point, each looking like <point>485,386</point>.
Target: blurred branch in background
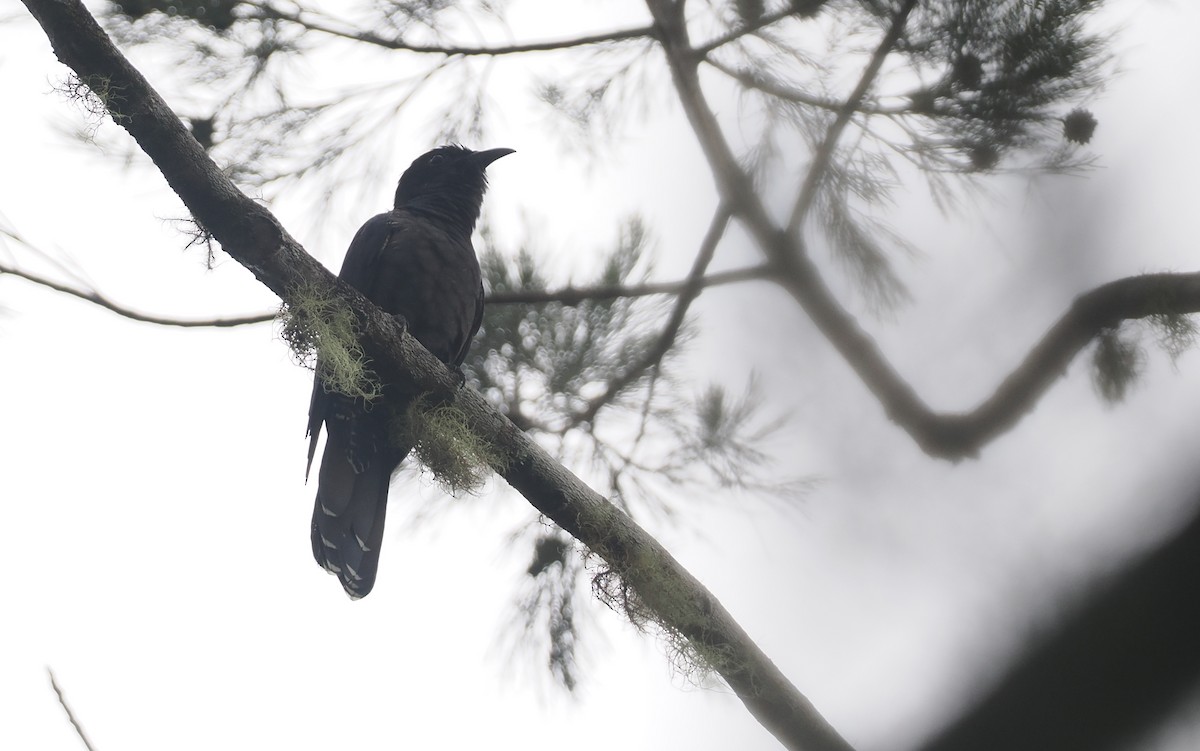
<point>1110,672</point>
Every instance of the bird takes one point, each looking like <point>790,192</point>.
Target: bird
<point>415,261</point>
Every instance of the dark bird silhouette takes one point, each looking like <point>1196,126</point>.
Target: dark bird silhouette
<point>415,261</point>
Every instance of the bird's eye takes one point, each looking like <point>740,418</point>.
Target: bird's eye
<point>436,159</point>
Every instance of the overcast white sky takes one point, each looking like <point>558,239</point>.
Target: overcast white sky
<point>155,515</point>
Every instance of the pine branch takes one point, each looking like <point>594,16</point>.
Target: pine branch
<point>824,153</point>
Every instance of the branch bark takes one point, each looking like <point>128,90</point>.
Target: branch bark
<point>253,237</point>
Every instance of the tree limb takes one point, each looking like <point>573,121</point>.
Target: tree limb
<point>253,237</point>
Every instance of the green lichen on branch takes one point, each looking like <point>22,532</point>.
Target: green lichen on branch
<point>634,582</point>
<point>323,335</point>
<point>443,440</point>
<point>97,96</point>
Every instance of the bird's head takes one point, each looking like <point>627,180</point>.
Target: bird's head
<point>447,183</point>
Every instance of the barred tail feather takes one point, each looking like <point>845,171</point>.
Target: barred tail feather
<point>348,517</point>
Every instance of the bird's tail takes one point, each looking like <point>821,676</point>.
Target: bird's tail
<point>347,525</point>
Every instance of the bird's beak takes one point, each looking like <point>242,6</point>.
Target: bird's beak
<point>484,158</point>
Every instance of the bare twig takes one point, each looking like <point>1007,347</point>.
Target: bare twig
<point>267,10</point>
<point>70,715</point>
<point>576,295</point>
<point>96,298</point>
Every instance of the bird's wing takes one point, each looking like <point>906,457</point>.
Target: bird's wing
<point>466,345</point>
<point>361,258</point>
<point>430,276</point>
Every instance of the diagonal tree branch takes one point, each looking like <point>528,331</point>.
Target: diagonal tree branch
<point>651,577</point>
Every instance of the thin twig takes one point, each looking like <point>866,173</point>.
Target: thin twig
<point>734,34</point>
<point>780,90</point>
<point>577,295</point>
<point>270,11</point>
<point>96,298</point>
<point>70,715</point>
<point>567,296</point>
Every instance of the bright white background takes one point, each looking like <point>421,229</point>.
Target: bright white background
<point>154,514</point>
